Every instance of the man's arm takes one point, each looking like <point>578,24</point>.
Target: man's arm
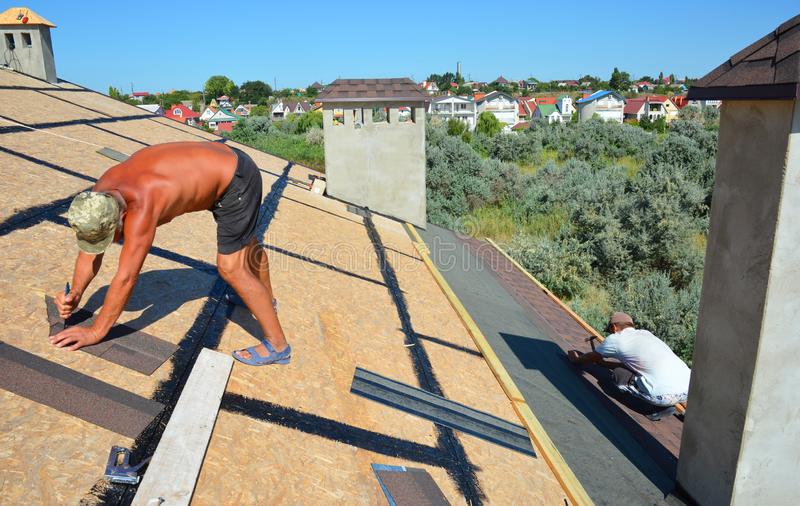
<point>576,357</point>
<point>86,268</point>
<point>139,232</point>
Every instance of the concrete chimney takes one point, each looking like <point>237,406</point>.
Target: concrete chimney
<point>25,43</point>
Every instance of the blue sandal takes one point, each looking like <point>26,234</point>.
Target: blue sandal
<point>274,357</point>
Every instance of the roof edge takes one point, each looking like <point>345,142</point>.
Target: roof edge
<point>786,91</point>
<point>415,98</point>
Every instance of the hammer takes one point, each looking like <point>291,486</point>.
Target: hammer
<point>590,340</point>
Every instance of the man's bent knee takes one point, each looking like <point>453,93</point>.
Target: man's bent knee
<point>230,266</point>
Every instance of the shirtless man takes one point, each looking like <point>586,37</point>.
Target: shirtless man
<point>151,188</point>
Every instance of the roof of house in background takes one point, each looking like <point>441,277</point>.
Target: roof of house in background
<point>546,109</point>
<point>183,113</point>
<point>15,16</point>
<point>634,105</point>
<point>546,100</point>
<point>522,125</point>
<point>493,95</point>
<point>769,68</point>
<point>521,109</point>
<point>154,108</point>
<point>140,94</point>
<point>501,80</point>
<point>225,126</point>
<point>372,90</point>
<point>316,85</point>
<point>598,95</point>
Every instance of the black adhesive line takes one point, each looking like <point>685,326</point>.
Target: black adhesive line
<point>44,163</point>
<point>462,471</point>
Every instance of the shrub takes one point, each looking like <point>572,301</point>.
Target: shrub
<point>562,265</point>
<point>309,120</point>
<point>488,124</point>
<point>315,136</point>
<point>456,127</point>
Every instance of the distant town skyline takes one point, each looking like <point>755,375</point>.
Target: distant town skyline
<point>178,45</point>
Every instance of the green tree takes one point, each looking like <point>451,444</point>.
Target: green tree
<point>117,95</point>
<point>252,92</point>
<point>619,80</point>
<point>259,110</point>
<point>312,92</point>
<point>488,124</point>
<point>660,78</point>
<point>672,79</point>
<point>216,86</point>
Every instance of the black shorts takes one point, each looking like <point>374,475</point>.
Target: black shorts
<point>236,212</point>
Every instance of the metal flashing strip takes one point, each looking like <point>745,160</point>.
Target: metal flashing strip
<point>113,154</point>
<point>408,486</point>
<point>73,393</point>
<point>441,411</point>
<point>123,345</point>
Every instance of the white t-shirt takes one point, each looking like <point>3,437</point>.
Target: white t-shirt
<point>660,371</point>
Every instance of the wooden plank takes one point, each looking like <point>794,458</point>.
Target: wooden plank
<point>173,471</point>
<point>569,482</point>
<point>680,407</point>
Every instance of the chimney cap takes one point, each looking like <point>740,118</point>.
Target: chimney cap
<point>14,15</point>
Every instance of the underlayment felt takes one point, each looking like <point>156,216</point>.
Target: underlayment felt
<point>409,486</point>
<point>610,464</point>
<point>123,345</point>
<point>74,393</point>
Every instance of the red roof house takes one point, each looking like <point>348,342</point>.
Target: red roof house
<point>180,112</point>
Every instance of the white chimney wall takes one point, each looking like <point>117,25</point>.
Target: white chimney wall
<point>28,49</point>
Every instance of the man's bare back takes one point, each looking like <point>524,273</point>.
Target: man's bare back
<point>168,180</point>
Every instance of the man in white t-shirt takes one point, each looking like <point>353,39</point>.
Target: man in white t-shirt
<point>648,370</point>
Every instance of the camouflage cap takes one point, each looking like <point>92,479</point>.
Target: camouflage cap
<point>93,216</point>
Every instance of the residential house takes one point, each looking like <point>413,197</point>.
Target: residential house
<point>225,101</point>
<point>153,108</point>
<point>634,109</point>
<point>527,84</point>
<point>139,95</point>
<point>220,118</point>
<point>702,104</point>
<point>502,105</point>
<point>642,87</point>
<point>282,109</point>
<point>565,107</point>
<point>188,103</point>
<point>652,107</point>
<point>244,109</point>
<point>430,87</point>
<point>454,107</point>
<point>501,80</point>
<point>607,105</point>
<point>548,112</point>
<point>183,114</point>
<point>680,101</point>
<point>208,113</point>
<point>568,83</point>
<point>316,85</point>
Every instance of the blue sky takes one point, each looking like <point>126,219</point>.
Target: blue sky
<point>165,45</point>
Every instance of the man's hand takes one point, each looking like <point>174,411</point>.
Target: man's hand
<point>66,303</point>
<point>574,356</point>
<point>76,337</point>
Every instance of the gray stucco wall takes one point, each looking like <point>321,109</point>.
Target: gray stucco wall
<point>741,437</point>
<point>379,165</point>
<point>37,60</point>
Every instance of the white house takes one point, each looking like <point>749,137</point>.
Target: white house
<point>243,109</point>
<point>502,105</point>
<point>220,117</point>
<point>224,101</point>
<point>282,109</point>
<point>430,87</point>
<point>208,113</point>
<point>460,108</point>
<point>565,107</point>
<point>153,108</point>
<point>607,105</point>
<point>548,112</point>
